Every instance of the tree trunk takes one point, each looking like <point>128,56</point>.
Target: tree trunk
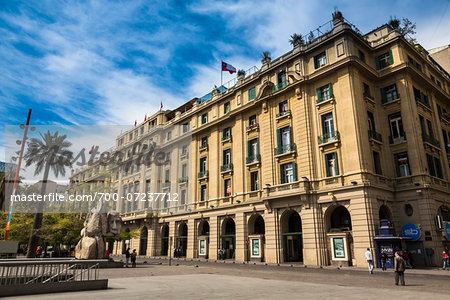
<point>37,223</point>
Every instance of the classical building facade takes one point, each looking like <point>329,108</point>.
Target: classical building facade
<point>301,160</point>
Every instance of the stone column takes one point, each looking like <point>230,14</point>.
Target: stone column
<point>213,237</point>
<point>240,247</point>
<point>190,239</point>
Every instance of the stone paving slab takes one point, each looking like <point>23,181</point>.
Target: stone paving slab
<point>208,286</point>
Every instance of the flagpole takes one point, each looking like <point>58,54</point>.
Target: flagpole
<point>221,75</point>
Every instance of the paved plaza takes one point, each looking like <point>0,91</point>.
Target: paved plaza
<point>207,280</point>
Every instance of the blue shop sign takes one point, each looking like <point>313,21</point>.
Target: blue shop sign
<point>412,231</point>
<point>447,230</point>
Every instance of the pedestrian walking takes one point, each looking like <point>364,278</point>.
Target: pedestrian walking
<point>407,259</point>
<point>127,257</point>
<point>38,251</point>
<point>383,259</point>
<point>369,259</point>
<point>445,259</point>
<point>133,258</point>
<point>219,254</point>
<point>399,269</point>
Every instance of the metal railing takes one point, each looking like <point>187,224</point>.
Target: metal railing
<point>253,158</point>
<point>431,140</point>
<point>375,135</point>
<point>41,271</point>
<point>329,137</point>
<point>284,113</point>
<point>285,149</point>
<point>398,139</point>
<point>424,101</point>
<point>202,174</point>
<point>227,167</point>
<point>280,86</point>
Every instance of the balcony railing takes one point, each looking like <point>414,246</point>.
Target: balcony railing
<point>368,96</point>
<point>396,140</point>
<point>202,174</point>
<point>329,137</point>
<point>323,99</point>
<point>183,179</point>
<point>284,114</point>
<point>280,86</point>
<point>375,135</point>
<point>424,101</point>
<point>285,149</point>
<point>165,185</point>
<point>203,147</point>
<point>253,158</point>
<point>227,167</point>
<point>390,97</point>
<point>226,137</point>
<point>431,140</point>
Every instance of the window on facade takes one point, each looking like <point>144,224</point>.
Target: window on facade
<point>415,63</point>
<point>252,121</point>
<point>226,133</point>
<point>284,140</point>
<point>362,56</point>
<point>203,193</point>
<point>186,127</point>
<point>203,164</point>
<point>142,129</point>
<point>331,164</point>
<point>204,118</point>
<point>396,127</point>
<point>288,173</point>
<point>283,107</point>
<point>422,124</point>
<point>138,166</point>
<point>366,90</point>
<point>183,197</point>
<point>324,93</point>
<point>184,171</point>
<point>184,150</point>
<point>167,176</point>
<point>430,128</point>
<point>254,183</point>
<point>371,120</point>
<point>434,166</point>
<point>227,187</point>
<point>281,77</point>
<point>377,163</point>
<point>204,142</point>
<point>421,97</point>
<point>226,157</point>
<point>226,107</point>
<point>320,60</point>
<point>328,125</point>
<point>251,94</point>
<point>402,164</point>
<point>439,84</point>
<point>389,93</point>
<point>384,60</point>
<point>447,144</point>
<point>169,135</point>
<point>130,136</point>
<point>253,147</point>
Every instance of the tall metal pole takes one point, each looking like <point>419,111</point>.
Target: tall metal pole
<point>221,75</point>
<point>5,237</point>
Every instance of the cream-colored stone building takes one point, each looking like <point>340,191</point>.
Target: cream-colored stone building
<point>300,160</point>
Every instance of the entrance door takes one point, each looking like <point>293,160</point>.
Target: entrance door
<point>293,247</point>
<point>416,253</point>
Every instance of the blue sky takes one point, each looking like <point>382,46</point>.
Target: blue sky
<point>100,62</point>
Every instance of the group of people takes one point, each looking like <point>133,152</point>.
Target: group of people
<point>221,254</point>
<point>131,255</point>
<point>399,264</point>
<point>177,252</point>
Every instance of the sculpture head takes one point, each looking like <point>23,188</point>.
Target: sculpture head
<point>114,223</point>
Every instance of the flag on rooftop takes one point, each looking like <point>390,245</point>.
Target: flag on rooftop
<point>228,67</point>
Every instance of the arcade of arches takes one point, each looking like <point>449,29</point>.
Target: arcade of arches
<point>335,233</point>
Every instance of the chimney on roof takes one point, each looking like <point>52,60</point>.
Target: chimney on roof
<point>338,18</point>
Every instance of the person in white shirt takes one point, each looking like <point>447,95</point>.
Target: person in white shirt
<point>369,259</point>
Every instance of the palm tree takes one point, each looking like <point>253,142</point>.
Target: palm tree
<point>49,154</point>
<point>296,40</point>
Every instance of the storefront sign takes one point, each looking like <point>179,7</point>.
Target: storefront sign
<point>339,251</point>
<point>412,231</point>
<point>447,230</point>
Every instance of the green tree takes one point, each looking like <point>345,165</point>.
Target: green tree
<point>405,27</point>
<point>49,154</point>
<point>20,226</point>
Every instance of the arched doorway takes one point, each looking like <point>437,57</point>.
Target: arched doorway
<point>228,237</point>
<point>256,239</point>
<point>291,233</point>
<point>385,213</point>
<point>339,235</point>
<point>203,239</point>
<point>125,245</point>
<point>143,238</point>
<point>182,240</point>
<point>165,240</point>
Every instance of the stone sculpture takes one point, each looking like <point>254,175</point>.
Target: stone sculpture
<point>99,224</point>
